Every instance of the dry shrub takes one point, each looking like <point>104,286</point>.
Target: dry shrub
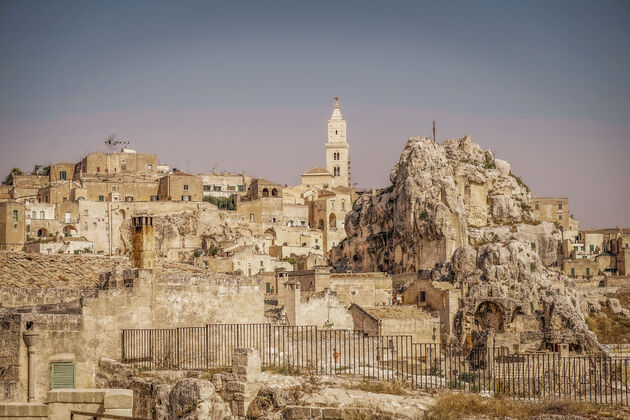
<point>452,406</point>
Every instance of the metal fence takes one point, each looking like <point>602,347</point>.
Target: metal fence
<point>301,349</point>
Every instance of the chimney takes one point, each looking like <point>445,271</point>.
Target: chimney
<point>142,242</point>
<point>292,302</point>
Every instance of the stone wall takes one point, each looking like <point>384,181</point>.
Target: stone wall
<point>10,339</point>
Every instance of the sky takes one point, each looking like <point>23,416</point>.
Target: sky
<point>248,86</point>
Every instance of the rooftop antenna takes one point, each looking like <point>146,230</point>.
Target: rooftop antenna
<point>111,143</point>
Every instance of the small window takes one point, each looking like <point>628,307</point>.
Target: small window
<point>422,297</point>
<point>128,198</point>
<point>62,175</point>
<point>343,204</point>
<point>217,188</point>
<point>154,198</point>
<point>353,292</point>
<point>240,188</point>
<point>251,217</point>
<point>559,217</point>
<point>123,167</point>
<point>273,220</point>
<point>101,198</point>
<point>185,198</point>
<point>85,212</point>
<point>94,225</point>
<point>588,271</point>
<point>304,244</point>
<point>85,225</point>
<point>42,215</point>
<point>185,187</point>
<point>149,167</point>
<point>15,215</point>
<point>98,169</point>
<point>261,263</point>
<point>559,206</point>
<point>303,223</point>
<point>206,187</point>
<point>62,375</point>
<point>572,271</point>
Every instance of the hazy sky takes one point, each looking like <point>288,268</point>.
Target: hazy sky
<point>249,86</point>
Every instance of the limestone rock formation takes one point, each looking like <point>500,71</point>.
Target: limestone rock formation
<point>196,399</point>
<point>442,197</point>
<point>456,210</point>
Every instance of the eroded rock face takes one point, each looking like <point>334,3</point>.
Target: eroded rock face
<point>508,291</point>
<point>196,399</point>
<point>456,210</point>
<point>442,197</point>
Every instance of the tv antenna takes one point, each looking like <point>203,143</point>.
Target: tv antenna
<point>111,142</point>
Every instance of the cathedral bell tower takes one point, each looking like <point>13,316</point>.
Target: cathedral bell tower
<point>337,149</point>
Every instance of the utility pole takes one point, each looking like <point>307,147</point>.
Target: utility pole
<point>434,130</point>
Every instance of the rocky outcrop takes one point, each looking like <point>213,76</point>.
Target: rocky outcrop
<point>442,197</point>
<point>458,211</point>
<point>196,399</point>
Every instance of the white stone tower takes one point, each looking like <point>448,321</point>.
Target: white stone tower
<point>337,149</point>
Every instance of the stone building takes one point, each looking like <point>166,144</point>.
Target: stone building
<point>551,209</point>
<point>327,212</point>
<point>127,161</point>
<point>396,320</point>
<point>225,184</point>
<point>12,226</point>
<point>180,186</point>
<point>79,304</point>
<point>365,289</point>
<point>337,149</point>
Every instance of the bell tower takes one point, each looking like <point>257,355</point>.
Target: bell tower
<point>337,149</point>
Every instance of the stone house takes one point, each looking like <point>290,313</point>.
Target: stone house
<point>127,161</point>
<point>396,320</point>
<point>180,186</point>
<point>223,185</point>
<point>12,226</point>
<point>366,289</point>
<point>552,209</point>
<point>327,212</point>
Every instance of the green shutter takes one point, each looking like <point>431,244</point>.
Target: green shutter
<point>62,375</point>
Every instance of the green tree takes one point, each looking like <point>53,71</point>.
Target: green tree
<point>9,179</point>
<point>224,203</point>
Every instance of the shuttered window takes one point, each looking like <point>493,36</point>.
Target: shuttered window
<point>62,375</point>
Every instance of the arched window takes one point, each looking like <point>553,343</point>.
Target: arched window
<point>336,171</point>
<point>332,221</point>
<point>265,192</point>
<point>274,192</point>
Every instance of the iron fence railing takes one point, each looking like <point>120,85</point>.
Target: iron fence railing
<point>295,349</point>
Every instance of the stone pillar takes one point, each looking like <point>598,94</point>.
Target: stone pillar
<point>142,242</point>
<point>31,338</point>
<point>563,349</point>
<point>292,302</point>
<point>240,387</point>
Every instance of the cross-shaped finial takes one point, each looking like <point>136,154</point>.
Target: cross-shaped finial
<point>336,98</point>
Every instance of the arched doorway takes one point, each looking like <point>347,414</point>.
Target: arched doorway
<point>69,231</point>
<point>274,192</point>
<point>265,192</point>
<point>332,221</point>
<point>42,233</point>
<point>489,315</point>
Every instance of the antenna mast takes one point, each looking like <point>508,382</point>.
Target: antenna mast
<point>111,143</point>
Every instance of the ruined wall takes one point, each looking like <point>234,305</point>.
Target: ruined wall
<point>199,299</point>
<point>325,308</point>
<point>11,388</point>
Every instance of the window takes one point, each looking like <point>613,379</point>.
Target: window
<point>94,225</point>
<point>101,198</point>
<point>185,187</point>
<point>123,167</point>
<point>559,206</point>
<point>572,271</point>
<point>15,215</point>
<point>267,287</point>
<point>85,225</point>
<point>85,212</point>
<point>154,198</point>
<point>273,220</point>
<point>34,215</point>
<point>559,217</point>
<point>240,188</point>
<point>537,208</point>
<point>206,187</point>
<point>591,248</point>
<point>62,375</point>
<point>422,297</point>
<point>185,198</point>
<point>42,215</point>
<point>304,244</point>
<point>261,263</point>
<point>251,217</point>
<point>149,167</point>
<point>303,223</point>
<point>62,175</point>
<point>336,171</point>
<point>98,169</point>
<point>128,198</point>
<point>216,188</point>
<point>588,271</point>
<point>231,188</point>
<point>332,205</point>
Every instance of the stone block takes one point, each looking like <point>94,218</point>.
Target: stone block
<point>233,386</point>
<point>120,411</point>
<point>118,398</point>
<point>295,412</point>
<point>331,413</point>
